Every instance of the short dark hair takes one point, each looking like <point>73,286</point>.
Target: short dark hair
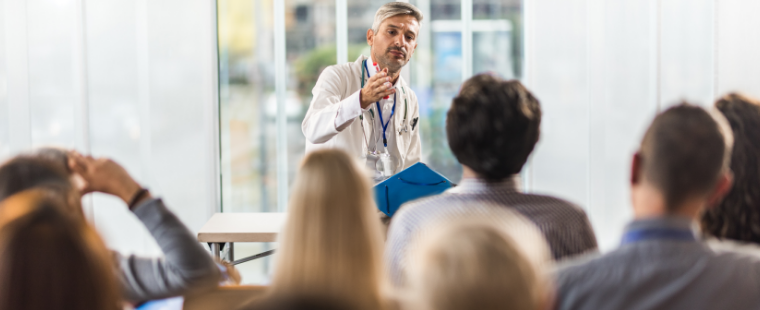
<point>28,171</point>
<point>737,217</point>
<point>683,153</point>
<point>493,126</point>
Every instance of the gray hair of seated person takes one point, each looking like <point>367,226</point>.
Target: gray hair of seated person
<point>495,260</point>
<point>392,9</point>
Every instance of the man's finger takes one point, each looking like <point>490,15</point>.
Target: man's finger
<point>384,87</point>
<point>379,78</point>
<point>376,84</point>
<point>388,93</point>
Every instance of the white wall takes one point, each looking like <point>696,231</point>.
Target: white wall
<point>603,68</point>
<point>738,47</point>
<point>134,80</point>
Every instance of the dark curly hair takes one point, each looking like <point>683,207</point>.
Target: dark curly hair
<point>737,217</point>
<point>493,125</point>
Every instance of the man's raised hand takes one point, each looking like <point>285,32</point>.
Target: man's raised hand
<point>377,87</point>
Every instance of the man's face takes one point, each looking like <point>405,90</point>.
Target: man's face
<point>394,42</point>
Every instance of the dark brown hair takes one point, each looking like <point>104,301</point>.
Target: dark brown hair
<point>55,156</point>
<point>683,153</point>
<point>24,172</point>
<point>51,260</point>
<point>493,126</point>
<point>738,215</point>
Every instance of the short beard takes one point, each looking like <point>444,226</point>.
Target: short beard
<point>393,68</point>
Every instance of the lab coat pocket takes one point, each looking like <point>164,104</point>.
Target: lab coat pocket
<point>402,138</point>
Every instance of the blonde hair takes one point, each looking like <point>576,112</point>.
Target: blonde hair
<point>52,259</point>
<point>481,261</point>
<point>331,245</point>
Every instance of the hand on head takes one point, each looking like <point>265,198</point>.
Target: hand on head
<point>103,175</point>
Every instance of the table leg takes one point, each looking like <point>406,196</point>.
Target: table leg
<point>216,249</point>
<point>231,252</point>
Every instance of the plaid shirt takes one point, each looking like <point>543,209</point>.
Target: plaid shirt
<point>565,226</point>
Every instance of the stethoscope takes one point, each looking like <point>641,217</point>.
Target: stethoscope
<point>401,130</point>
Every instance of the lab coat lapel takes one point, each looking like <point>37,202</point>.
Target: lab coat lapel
<point>398,120</point>
<point>366,120</point>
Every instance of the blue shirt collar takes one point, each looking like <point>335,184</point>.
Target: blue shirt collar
<point>665,227</point>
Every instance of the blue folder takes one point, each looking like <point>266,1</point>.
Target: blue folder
<point>412,183</point>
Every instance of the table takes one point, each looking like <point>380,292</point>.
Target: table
<point>228,228</point>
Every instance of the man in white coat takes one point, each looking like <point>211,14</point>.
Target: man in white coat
<point>365,107</point>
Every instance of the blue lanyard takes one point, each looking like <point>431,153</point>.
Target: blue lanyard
<point>380,111</point>
<point>658,233</point>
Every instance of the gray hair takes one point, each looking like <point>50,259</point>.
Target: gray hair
<point>392,9</point>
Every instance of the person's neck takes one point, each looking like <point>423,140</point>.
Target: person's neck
<point>393,74</point>
<point>468,173</point>
<point>649,202</point>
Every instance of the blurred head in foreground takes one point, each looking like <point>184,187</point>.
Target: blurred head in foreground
<point>737,217</point>
<point>46,168</point>
<point>487,261</point>
<point>682,164</point>
<point>331,243</point>
<point>50,259</point>
<point>298,302</point>
<point>492,126</point>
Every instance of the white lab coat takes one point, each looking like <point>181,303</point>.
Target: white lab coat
<point>339,85</point>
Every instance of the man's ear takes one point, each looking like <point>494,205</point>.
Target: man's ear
<point>370,37</point>
<point>636,166</point>
<point>721,189</point>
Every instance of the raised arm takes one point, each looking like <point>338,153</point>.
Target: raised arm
<point>329,113</point>
<point>185,267</point>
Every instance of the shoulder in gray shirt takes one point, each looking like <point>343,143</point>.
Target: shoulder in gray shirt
<point>661,273</point>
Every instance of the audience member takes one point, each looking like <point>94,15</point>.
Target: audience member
<point>51,259</point>
<point>737,217</point>
<point>492,127</point>
<point>492,261</point>
<point>185,267</point>
<point>331,245</point>
<point>681,168</point>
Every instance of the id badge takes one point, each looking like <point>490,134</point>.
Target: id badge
<point>372,159</point>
